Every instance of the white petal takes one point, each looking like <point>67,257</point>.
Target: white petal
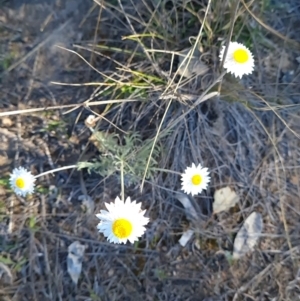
<point>128,210</point>
<point>28,179</point>
<point>187,184</point>
<point>232,66</point>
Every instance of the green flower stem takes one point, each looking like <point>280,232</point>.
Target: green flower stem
<point>55,170</point>
<point>122,180</point>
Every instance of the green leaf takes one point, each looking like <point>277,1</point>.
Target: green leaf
<point>6,260</point>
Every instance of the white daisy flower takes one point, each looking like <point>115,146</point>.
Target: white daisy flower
<point>239,60</point>
<point>123,221</point>
<point>195,179</point>
<point>22,181</point>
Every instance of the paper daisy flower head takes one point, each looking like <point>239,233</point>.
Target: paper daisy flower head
<point>22,181</point>
<point>239,60</point>
<point>122,221</point>
<point>195,179</point>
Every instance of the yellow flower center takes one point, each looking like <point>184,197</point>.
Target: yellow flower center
<point>196,179</point>
<point>20,183</point>
<point>122,228</point>
<point>241,56</point>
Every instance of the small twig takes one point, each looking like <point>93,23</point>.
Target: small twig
<point>269,28</point>
<point>188,58</point>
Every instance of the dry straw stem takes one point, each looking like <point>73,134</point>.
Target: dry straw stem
<point>74,105</point>
<point>116,83</point>
<point>232,21</point>
<point>282,188</point>
<point>155,66</point>
<point>277,115</point>
<point>135,36</point>
<point>95,69</point>
<point>256,280</point>
<point>189,57</point>
<point>95,35</point>
<point>270,29</point>
<point>282,198</point>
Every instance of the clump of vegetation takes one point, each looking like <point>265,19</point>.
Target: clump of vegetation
<point>129,155</point>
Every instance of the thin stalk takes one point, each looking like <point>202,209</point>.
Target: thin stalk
<point>55,170</point>
<point>167,171</point>
<point>122,181</point>
<point>235,10</point>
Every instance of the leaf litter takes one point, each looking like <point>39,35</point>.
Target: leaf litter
<point>248,235</point>
<point>190,64</point>
<point>191,215</point>
<point>74,260</point>
<point>224,199</point>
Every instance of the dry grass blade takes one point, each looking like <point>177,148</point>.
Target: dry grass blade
<point>157,69</point>
<point>280,186</point>
<point>229,36</point>
<point>91,103</point>
<point>177,85</point>
<point>270,29</point>
<point>278,116</point>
